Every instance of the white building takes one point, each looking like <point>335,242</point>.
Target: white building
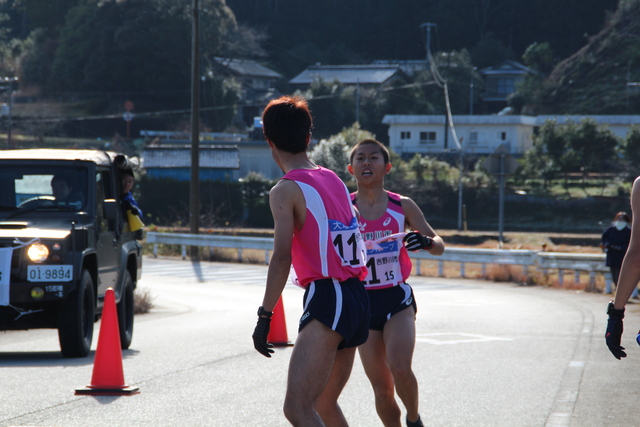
<point>409,134</point>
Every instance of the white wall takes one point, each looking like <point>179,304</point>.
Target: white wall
<point>478,134</point>
<point>489,130</point>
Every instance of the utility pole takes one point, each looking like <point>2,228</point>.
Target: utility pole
<point>428,26</point>
<point>358,101</point>
<point>471,91</point>
<point>194,194</point>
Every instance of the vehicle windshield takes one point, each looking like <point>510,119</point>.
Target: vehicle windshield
<point>31,188</point>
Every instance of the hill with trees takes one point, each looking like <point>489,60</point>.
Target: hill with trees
<point>594,80</point>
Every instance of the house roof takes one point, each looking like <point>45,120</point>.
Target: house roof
<point>179,156</point>
<point>348,74</point>
<point>508,68</point>
<point>247,67</point>
<point>430,119</point>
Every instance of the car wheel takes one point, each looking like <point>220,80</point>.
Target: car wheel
<point>126,311</point>
<point>76,317</point>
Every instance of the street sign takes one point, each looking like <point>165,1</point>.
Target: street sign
<point>127,116</point>
<point>500,162</point>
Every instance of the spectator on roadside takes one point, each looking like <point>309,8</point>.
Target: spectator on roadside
<point>615,241</point>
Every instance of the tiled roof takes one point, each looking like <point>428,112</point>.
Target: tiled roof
<point>179,156</point>
<point>247,67</point>
<point>348,74</point>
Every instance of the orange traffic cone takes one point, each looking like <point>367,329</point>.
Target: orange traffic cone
<point>278,331</point>
<point>108,377</point>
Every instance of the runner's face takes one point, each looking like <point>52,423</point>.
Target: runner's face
<point>368,163</point>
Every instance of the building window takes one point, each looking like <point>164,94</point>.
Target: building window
<point>473,138</point>
<point>502,136</point>
<point>506,86</point>
<point>427,137</point>
<point>405,135</point>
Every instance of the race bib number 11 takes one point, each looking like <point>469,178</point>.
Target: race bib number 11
<point>348,243</point>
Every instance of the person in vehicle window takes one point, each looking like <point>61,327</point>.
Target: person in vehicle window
<point>129,203</point>
<point>63,190</point>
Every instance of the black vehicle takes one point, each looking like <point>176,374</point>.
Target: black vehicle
<point>64,241</point>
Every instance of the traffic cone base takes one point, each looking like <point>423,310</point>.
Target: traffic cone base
<point>278,331</point>
<point>108,377</point>
<point>95,391</point>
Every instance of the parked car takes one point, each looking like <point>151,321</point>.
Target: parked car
<point>63,242</point>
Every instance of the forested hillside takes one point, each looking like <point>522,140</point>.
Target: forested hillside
<point>303,32</point>
<point>88,56</point>
<point>594,79</point>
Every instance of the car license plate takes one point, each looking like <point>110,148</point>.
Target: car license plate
<point>50,273</point>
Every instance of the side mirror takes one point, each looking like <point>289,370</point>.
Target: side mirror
<point>111,209</point>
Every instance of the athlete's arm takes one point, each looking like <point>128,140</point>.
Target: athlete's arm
<point>416,221</point>
<point>281,201</point>
<point>630,270</point>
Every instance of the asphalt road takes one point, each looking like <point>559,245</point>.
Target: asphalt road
<point>487,354</point>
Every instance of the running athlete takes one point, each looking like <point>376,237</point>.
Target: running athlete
<point>384,217</point>
<point>317,232</point>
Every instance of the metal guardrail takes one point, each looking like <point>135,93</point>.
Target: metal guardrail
<point>593,264</point>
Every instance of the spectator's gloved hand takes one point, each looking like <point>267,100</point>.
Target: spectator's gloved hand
<point>261,332</point>
<point>415,241</point>
<point>613,335</point>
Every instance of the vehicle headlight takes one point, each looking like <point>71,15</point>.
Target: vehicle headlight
<point>38,252</point>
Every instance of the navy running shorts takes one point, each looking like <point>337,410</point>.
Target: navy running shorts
<point>386,302</point>
<point>341,306</point>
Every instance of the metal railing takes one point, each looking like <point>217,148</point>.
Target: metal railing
<point>593,264</point>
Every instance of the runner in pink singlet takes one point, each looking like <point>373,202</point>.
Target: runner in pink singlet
<point>316,231</point>
<point>384,217</point>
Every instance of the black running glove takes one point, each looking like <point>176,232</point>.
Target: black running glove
<point>415,241</point>
<point>260,334</point>
<point>613,335</point>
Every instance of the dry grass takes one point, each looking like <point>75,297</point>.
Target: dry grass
<point>142,301</point>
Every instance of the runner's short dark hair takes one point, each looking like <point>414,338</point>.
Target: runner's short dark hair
<point>287,123</point>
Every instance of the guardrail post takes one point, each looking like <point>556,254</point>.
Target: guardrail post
<point>266,257</point>
<point>418,266</point>
<point>484,270</point>
<point>607,283</point>
<point>440,268</point>
<point>576,276</point>
<point>462,269</point>
<point>561,277</point>
<point>184,252</point>
<point>592,281</point>
<point>155,250</point>
<point>239,254</point>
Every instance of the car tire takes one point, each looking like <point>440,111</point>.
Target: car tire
<point>126,308</point>
<point>76,318</point>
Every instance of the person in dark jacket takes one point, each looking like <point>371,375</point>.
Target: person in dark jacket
<point>615,241</point>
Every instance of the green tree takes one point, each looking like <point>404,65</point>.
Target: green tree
<point>332,153</point>
<point>539,57</point>
<point>630,149</point>
<point>591,147</point>
<point>545,159</point>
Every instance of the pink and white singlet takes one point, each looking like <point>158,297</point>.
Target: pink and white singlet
<point>329,245</point>
<point>388,264</point>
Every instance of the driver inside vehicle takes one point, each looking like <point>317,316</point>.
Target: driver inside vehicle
<point>64,192</point>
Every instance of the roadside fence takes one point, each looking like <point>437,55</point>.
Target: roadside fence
<point>544,262</point>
